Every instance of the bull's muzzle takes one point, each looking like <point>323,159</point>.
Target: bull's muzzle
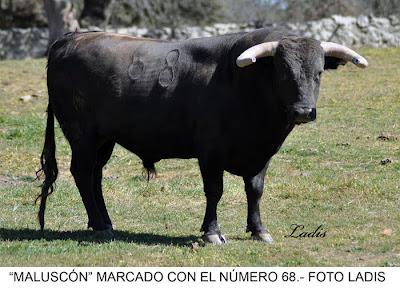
<point>304,115</point>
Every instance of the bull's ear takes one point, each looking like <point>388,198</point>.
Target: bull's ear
<point>332,63</point>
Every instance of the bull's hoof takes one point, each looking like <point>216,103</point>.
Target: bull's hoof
<point>103,235</point>
<point>108,226</point>
<point>264,237</point>
<point>215,239</point>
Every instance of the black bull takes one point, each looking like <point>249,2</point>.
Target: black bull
<point>184,99</point>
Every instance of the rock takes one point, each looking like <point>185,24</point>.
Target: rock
<point>394,20</point>
<point>386,137</point>
<point>195,246</point>
<point>385,161</point>
<point>389,40</point>
<point>25,98</point>
<point>387,232</point>
<point>343,144</point>
<point>343,20</point>
<point>362,21</point>
<point>372,37</point>
<point>380,22</point>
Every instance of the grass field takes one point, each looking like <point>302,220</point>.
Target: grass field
<point>328,173</point>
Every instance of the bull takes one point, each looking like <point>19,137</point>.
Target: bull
<point>228,101</point>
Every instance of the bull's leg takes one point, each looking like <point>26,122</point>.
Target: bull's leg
<point>213,188</point>
<point>103,155</point>
<point>82,168</point>
<point>254,187</point>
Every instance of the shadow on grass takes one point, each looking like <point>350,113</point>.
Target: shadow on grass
<point>89,236</point>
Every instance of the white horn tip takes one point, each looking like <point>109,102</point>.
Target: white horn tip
<point>360,62</point>
<point>244,62</point>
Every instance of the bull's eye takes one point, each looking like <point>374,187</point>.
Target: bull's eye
<point>317,77</point>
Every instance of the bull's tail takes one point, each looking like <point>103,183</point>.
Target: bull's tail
<point>48,165</point>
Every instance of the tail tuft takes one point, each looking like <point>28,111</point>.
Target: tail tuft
<point>150,170</point>
<point>48,166</point>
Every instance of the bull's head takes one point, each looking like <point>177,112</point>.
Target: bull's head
<point>298,65</point>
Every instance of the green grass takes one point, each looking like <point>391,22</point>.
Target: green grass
<point>326,173</point>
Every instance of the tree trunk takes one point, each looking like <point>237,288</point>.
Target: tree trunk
<point>62,17</point>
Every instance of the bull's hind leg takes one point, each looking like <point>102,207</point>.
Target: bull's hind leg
<point>254,187</point>
<point>103,155</point>
<point>83,163</point>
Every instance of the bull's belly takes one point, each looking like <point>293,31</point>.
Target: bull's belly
<point>247,160</point>
<point>244,161</point>
<point>150,132</point>
<point>240,166</point>
<point>155,147</point>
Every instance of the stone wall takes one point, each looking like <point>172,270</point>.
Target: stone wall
<point>17,43</point>
<point>353,31</point>
<point>21,43</point>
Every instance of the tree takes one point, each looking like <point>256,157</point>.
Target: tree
<point>315,9</point>
<point>258,12</point>
<point>168,13</point>
<point>62,17</point>
<point>97,12</point>
<point>383,7</point>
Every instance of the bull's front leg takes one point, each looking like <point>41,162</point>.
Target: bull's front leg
<point>212,176</point>
<point>254,187</point>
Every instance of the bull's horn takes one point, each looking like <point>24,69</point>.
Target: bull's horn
<point>250,56</point>
<point>332,49</point>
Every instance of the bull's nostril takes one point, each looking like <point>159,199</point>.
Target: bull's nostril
<point>304,115</point>
<point>313,114</point>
